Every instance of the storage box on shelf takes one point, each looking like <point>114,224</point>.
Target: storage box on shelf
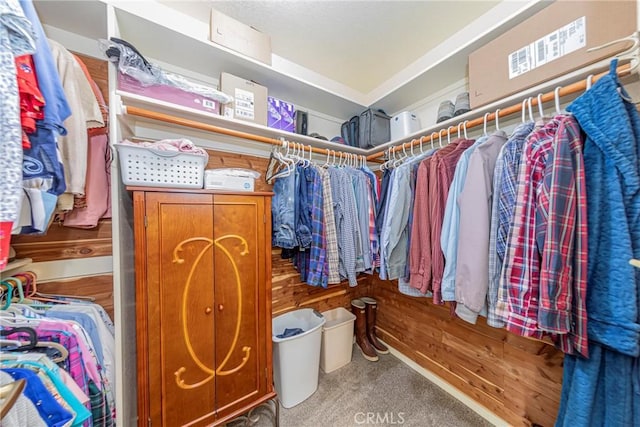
<point>553,42</point>
<point>281,114</point>
<point>249,99</point>
<point>242,38</point>
<point>154,168</point>
<point>169,94</point>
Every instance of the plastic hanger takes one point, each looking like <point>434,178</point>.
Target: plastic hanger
<point>589,81</point>
<point>523,109</point>
<point>9,394</point>
<point>421,150</point>
<point>464,128</point>
<point>449,134</point>
<point>17,285</point>
<point>440,138</point>
<point>540,109</point>
<point>635,262</point>
<point>556,99</point>
<point>9,294</point>
<point>497,119</point>
<point>484,125</point>
<point>530,109</point>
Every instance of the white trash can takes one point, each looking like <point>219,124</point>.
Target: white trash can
<point>337,339</point>
<point>296,359</point>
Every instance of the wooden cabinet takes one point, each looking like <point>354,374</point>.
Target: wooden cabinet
<point>203,302</point>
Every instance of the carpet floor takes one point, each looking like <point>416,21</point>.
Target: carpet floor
<point>383,393</point>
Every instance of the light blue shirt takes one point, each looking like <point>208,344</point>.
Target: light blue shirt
<point>451,223</point>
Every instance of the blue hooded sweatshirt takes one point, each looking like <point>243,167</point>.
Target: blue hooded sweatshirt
<point>604,390</point>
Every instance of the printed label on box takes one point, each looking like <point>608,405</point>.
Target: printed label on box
<point>563,41</point>
<point>244,104</point>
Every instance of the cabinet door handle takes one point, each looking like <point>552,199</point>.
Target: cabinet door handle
<point>220,307</point>
<point>208,310</point>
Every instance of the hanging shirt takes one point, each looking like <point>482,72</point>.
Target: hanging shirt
<point>318,253</point>
<point>451,223</point>
<point>42,161</point>
<point>420,277</point>
<point>563,265</point>
<point>346,223</point>
<point>443,168</point>
<point>521,271</point>
<point>474,202</point>
<point>395,237</point>
<point>16,38</point>
<point>331,238</point>
<point>48,408</point>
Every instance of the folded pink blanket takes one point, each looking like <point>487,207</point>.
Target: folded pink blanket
<point>182,145</point>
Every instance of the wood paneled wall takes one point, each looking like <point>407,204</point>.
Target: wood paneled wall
<point>516,378</point>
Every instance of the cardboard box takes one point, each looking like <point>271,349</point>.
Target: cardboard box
<point>237,36</point>
<point>288,113</point>
<point>249,99</point>
<point>169,94</point>
<point>273,112</point>
<point>549,44</point>
<point>280,115</point>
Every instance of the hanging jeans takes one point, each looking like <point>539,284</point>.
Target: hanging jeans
<point>282,212</point>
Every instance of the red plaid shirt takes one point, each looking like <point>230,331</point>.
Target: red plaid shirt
<point>521,270</point>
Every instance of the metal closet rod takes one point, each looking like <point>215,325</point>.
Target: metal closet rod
<point>575,87</point>
<point>194,124</point>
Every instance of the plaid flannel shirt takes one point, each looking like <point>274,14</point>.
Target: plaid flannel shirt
<point>521,271</point>
<point>317,254</point>
<point>563,271</point>
<point>330,235</point>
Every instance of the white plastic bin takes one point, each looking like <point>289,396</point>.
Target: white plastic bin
<point>296,359</point>
<point>337,339</point>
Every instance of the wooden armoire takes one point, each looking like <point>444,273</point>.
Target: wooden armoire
<point>203,302</point>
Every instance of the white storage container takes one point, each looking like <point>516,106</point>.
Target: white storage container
<point>403,124</point>
<point>296,359</point>
<point>337,339</point>
<point>155,168</point>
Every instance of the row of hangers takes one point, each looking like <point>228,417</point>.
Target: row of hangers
<point>527,105</point>
<point>22,288</point>
<point>285,157</point>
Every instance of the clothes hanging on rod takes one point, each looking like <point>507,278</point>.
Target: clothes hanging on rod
<point>324,218</point>
<point>65,350</point>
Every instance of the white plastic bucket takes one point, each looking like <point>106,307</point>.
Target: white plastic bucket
<point>337,339</point>
<point>296,359</point>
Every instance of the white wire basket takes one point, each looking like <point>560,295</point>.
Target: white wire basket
<point>155,168</point>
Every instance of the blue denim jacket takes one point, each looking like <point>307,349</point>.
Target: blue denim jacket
<point>282,212</point>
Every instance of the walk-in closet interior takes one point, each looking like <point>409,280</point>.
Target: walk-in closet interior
<point>306,213</point>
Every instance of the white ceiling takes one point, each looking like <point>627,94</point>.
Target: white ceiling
<point>361,44</point>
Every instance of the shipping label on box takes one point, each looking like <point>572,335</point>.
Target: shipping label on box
<point>553,42</point>
<point>242,38</point>
<point>250,99</point>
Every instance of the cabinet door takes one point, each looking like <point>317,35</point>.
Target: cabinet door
<point>240,295</point>
<point>180,266</point>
